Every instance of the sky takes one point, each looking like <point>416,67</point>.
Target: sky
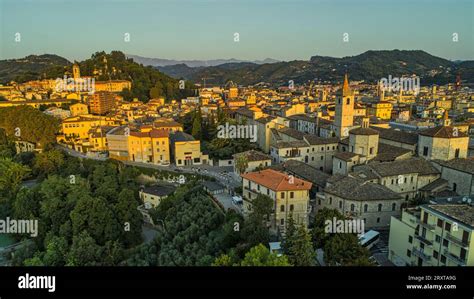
<point>206,29</point>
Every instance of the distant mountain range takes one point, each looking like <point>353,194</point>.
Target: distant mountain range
<point>192,63</point>
<point>369,66</point>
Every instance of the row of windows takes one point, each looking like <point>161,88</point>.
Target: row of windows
<point>366,206</point>
<point>148,142</point>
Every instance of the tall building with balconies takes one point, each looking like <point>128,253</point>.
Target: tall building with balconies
<point>433,235</point>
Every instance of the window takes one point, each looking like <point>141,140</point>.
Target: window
<point>348,101</point>
<point>330,200</point>
<point>435,254</point>
<point>366,207</point>
<point>292,194</point>
<point>322,158</point>
<point>394,206</point>
<point>282,208</point>
<point>447,226</point>
<point>371,151</point>
<point>408,253</point>
<point>462,253</point>
<point>445,243</point>
<point>440,223</point>
<point>425,151</point>
<point>380,207</point>
<point>340,204</point>
<point>352,207</point>
<point>438,239</point>
<point>443,259</point>
<point>456,153</point>
<point>378,220</point>
<point>282,194</point>
<point>282,221</point>
<point>455,187</point>
<point>292,207</point>
<point>410,239</point>
<point>340,165</point>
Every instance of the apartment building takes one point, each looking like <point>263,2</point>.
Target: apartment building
<point>290,195</point>
<point>433,235</point>
<point>152,146</point>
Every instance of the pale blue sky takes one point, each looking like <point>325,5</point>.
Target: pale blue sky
<point>204,29</point>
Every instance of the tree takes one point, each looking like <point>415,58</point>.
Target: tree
<point>95,216</point>
<point>84,251</point>
<point>301,252</point>
<point>56,252</point>
<point>345,250</point>
<point>129,217</point>
<point>48,162</point>
<point>290,235</point>
<point>11,176</point>
<point>223,260</point>
<point>339,248</point>
<point>241,163</point>
<point>261,256</point>
<point>255,228</point>
<point>197,125</point>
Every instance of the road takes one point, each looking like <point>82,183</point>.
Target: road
<point>223,174</point>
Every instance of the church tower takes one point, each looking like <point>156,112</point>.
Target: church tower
<point>344,115</point>
<point>76,72</point>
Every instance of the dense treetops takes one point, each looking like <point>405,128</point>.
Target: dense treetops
<point>29,124</point>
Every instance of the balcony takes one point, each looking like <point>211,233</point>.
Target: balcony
<point>455,258</point>
<point>421,254</point>
<point>424,240</point>
<point>456,241</point>
<point>426,225</point>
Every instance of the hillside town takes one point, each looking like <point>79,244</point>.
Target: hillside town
<point>398,159</point>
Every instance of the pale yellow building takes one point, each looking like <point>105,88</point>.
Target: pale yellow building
<point>186,151</point>
<point>433,235</point>
<point>79,126</point>
<point>79,109</point>
<point>152,146</point>
<point>381,110</point>
<point>290,196</point>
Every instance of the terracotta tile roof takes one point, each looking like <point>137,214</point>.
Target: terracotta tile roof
<point>276,180</point>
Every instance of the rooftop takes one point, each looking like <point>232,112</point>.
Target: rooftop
<point>443,132</point>
<point>459,212</point>
<point>464,165</point>
<point>253,155</point>
<point>357,189</point>
<point>363,131</point>
<point>397,136</point>
<point>277,181</point>
<point>159,190</point>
